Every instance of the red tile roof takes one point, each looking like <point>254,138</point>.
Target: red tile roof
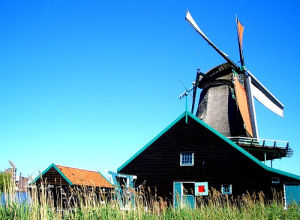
<point>84,177</point>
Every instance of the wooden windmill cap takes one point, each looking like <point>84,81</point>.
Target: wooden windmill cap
<point>220,72</point>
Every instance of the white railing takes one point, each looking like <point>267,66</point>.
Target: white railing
<point>260,142</point>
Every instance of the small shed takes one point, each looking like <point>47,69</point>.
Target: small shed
<point>61,180</point>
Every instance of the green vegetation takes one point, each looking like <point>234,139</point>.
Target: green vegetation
<point>87,206</point>
<point>5,181</point>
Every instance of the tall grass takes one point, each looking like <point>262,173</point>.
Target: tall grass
<point>87,205</point>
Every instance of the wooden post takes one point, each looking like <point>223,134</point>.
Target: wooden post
<point>67,197</point>
<point>271,163</point>
<point>186,116</point>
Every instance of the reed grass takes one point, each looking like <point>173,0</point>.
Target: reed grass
<point>87,205</point>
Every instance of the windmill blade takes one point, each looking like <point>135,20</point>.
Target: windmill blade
<point>251,104</point>
<point>242,100</point>
<point>240,31</point>
<point>264,96</point>
<point>190,19</point>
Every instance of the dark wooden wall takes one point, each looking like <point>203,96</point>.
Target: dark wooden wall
<point>52,177</point>
<point>215,162</point>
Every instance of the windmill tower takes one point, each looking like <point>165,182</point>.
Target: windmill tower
<point>217,104</point>
<point>227,98</point>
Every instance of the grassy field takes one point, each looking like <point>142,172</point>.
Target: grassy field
<point>87,206</point>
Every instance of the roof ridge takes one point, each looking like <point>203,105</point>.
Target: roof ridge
<point>57,169</point>
<point>76,168</point>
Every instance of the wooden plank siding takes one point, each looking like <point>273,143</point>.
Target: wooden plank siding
<point>52,177</point>
<point>215,162</point>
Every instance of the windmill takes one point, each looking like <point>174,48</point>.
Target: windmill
<point>226,101</point>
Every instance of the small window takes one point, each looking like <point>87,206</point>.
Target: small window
<point>186,159</point>
<point>226,189</point>
<point>275,180</point>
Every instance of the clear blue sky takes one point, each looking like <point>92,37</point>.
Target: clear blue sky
<point>88,83</point>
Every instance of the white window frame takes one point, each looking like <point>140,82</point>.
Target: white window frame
<point>186,164</point>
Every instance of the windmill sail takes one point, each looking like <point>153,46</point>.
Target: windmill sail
<point>247,110</point>
<point>262,94</point>
<point>190,19</point>
<point>240,30</point>
<point>242,101</point>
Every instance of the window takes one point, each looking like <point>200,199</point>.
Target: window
<point>275,180</point>
<point>226,189</point>
<point>201,189</point>
<point>186,159</point>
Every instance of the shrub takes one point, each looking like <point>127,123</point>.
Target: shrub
<point>5,181</point>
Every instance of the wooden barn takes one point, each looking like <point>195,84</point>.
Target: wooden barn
<point>189,157</point>
<point>61,180</point>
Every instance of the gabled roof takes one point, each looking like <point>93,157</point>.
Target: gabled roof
<point>79,177</point>
<point>189,116</point>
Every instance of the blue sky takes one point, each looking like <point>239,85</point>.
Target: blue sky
<point>88,83</point>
